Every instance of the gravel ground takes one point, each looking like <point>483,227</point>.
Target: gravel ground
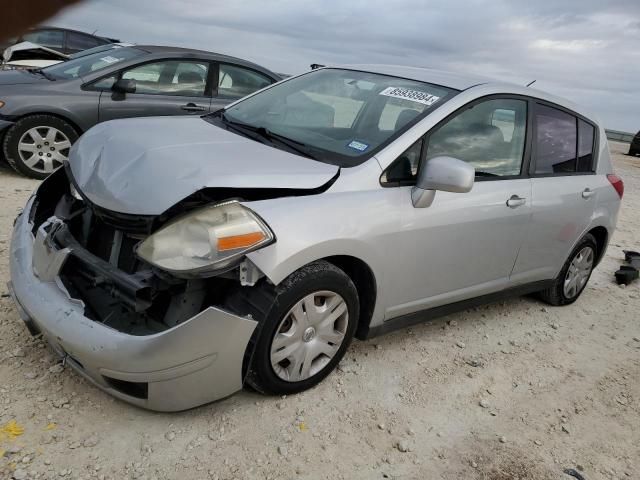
<point>514,390</point>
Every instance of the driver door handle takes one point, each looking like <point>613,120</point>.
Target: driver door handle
<point>192,107</point>
<point>515,201</point>
<point>587,193</point>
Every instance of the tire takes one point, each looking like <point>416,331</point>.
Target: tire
<point>557,294</point>
<point>633,152</point>
<point>272,307</point>
<point>36,145</point>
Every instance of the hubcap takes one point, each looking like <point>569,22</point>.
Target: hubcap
<point>578,272</point>
<point>309,336</point>
<point>43,149</point>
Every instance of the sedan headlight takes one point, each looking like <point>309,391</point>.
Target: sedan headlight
<point>206,241</point>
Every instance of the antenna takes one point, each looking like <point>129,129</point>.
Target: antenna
<point>531,83</point>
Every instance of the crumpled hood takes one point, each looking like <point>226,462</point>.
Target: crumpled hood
<point>146,165</point>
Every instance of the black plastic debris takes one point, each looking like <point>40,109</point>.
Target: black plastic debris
<point>574,473</point>
<point>632,257</point>
<point>628,273</point>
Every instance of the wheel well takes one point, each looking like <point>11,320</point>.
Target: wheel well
<point>61,117</point>
<point>601,235</point>
<point>365,282</point>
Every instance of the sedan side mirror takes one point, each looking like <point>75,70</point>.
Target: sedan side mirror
<point>447,174</point>
<point>124,86</point>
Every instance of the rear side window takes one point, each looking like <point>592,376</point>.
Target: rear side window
<point>236,82</point>
<point>556,140</point>
<point>586,134</point>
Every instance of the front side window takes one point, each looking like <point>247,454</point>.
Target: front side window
<point>237,82</point>
<point>555,142</point>
<point>489,135</point>
<point>404,169</point>
<point>338,116</point>
<point>87,64</point>
<point>173,77</point>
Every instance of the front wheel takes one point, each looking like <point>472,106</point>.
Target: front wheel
<point>309,323</point>
<point>574,275</point>
<point>36,145</point>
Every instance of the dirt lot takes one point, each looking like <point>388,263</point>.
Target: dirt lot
<point>516,390</point>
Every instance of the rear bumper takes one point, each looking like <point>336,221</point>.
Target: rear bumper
<point>196,362</point>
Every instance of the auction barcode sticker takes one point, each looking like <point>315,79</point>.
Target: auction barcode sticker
<point>412,95</point>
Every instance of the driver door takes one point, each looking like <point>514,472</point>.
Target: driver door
<point>166,87</point>
<point>465,244</point>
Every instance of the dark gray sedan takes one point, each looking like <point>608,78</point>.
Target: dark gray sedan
<point>43,112</point>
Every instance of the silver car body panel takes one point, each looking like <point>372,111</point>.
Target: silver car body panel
<point>208,157</point>
<point>193,363</point>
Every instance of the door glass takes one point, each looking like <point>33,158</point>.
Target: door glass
<point>489,135</point>
<point>237,82</point>
<point>47,38</point>
<point>170,78</point>
<point>556,140</point>
<point>585,146</point>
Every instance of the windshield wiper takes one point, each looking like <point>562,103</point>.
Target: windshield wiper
<point>263,132</point>
<point>480,173</point>
<point>39,71</point>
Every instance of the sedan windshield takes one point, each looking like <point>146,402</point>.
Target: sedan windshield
<point>333,115</point>
<point>86,64</point>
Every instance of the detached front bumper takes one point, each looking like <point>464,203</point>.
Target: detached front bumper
<point>195,362</point>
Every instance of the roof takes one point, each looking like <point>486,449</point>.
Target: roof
<point>458,81</point>
<point>203,53</point>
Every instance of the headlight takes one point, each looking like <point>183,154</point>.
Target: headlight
<point>207,240</point>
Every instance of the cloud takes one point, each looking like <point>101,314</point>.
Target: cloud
<point>586,51</point>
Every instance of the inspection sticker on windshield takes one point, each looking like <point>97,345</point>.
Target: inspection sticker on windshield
<point>109,59</point>
<point>358,146</point>
<point>412,95</point>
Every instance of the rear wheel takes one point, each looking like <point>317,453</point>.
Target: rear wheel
<point>306,325</point>
<point>633,152</point>
<point>36,145</point>
<point>574,275</point>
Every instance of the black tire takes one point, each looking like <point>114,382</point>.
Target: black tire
<point>269,305</point>
<point>555,295</point>
<point>633,152</point>
<point>15,133</point>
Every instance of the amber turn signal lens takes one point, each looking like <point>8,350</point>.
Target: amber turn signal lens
<point>240,241</point>
<point>1,104</point>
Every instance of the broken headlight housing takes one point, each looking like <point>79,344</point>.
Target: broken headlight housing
<point>206,241</point>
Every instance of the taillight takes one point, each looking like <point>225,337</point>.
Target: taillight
<point>617,183</point>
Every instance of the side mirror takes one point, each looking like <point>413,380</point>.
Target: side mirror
<point>124,86</point>
<point>446,174</point>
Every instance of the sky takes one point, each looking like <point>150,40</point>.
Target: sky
<point>585,50</point>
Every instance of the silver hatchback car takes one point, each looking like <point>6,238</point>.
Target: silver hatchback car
<point>173,260</point>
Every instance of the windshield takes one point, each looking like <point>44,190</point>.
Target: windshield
<point>86,64</point>
<point>98,49</point>
<point>337,116</point>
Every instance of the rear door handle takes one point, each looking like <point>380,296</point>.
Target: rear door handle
<point>515,201</point>
<point>588,193</point>
<point>192,107</point>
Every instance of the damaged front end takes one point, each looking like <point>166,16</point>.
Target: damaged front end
<point>161,340</point>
